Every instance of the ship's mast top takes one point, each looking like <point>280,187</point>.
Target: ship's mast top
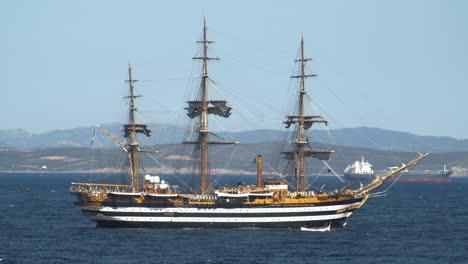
<point>203,125</point>
<point>132,108</point>
<point>131,134</point>
<point>300,138</point>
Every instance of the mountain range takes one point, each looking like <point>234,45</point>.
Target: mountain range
<point>361,137</point>
<point>71,150</point>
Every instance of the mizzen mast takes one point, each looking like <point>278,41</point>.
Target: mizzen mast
<point>303,122</point>
<point>201,108</point>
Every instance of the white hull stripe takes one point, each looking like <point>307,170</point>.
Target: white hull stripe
<point>221,219</point>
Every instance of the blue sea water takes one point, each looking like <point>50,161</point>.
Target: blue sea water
<point>414,223</point>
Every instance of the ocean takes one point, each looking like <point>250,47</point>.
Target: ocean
<point>413,223</point>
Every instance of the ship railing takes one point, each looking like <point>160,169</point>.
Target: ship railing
<point>199,197</point>
<point>89,188</point>
<point>306,194</point>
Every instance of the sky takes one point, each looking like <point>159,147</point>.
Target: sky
<point>398,65</point>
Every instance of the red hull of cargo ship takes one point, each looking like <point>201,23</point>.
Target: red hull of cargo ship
<point>421,180</point>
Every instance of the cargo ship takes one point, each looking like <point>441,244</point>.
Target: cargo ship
<point>362,170</point>
<point>359,170</point>
<point>147,201</point>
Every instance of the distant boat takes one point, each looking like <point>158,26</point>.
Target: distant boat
<point>420,175</point>
<point>362,170</point>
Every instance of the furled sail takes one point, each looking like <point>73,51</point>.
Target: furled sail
<point>314,153</point>
<point>215,107</point>
<point>139,128</point>
<point>308,121</point>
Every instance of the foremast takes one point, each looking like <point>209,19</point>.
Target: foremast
<point>92,192</point>
<point>130,132</point>
<point>201,108</point>
<point>303,122</point>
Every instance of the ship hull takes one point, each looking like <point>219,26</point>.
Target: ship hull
<point>312,215</point>
<point>357,176</point>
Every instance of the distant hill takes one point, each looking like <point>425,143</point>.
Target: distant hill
<point>15,138</point>
<point>237,157</point>
<point>365,137</point>
<point>83,136</point>
<point>376,138</point>
<point>362,137</point>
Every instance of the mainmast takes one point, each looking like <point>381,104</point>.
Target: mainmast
<point>202,108</point>
<point>303,122</point>
<point>203,124</point>
<point>131,129</point>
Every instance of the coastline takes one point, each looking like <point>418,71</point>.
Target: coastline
<point>458,172</point>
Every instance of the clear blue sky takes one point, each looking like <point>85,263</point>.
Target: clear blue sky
<point>399,65</point>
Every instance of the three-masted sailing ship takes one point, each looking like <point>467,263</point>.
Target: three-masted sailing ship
<point>271,203</point>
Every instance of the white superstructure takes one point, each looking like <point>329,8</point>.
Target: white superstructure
<point>360,167</point>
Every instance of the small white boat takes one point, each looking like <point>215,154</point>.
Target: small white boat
<point>316,229</point>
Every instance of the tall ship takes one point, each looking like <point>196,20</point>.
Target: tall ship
<point>362,171</point>
<point>274,202</point>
